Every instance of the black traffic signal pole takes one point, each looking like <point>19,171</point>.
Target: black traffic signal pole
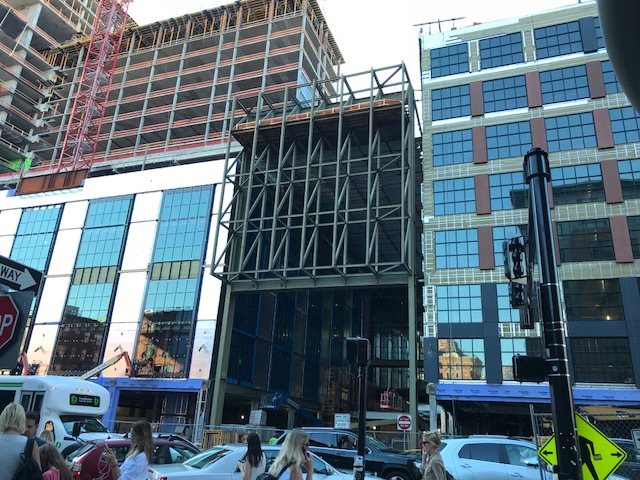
<point>538,176</point>
<point>358,353</point>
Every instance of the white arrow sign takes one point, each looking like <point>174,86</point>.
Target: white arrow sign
<point>18,276</point>
<point>23,279</point>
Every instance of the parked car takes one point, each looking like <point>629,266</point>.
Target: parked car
<point>492,457</point>
<point>630,468</point>
<point>86,462</point>
<point>338,447</point>
<point>221,463</point>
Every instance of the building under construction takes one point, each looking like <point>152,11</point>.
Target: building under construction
<point>317,243</point>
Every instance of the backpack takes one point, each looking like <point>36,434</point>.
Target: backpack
<point>28,468</point>
<point>269,476</point>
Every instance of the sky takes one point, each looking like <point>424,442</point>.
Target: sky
<point>374,33</point>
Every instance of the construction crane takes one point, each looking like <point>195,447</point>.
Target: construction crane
<point>106,364</point>
<point>83,128</point>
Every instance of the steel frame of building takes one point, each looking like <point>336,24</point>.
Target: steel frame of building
<point>324,195</point>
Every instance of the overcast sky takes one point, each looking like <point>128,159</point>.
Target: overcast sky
<point>374,33</point>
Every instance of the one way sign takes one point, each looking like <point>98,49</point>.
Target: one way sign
<point>18,276</point>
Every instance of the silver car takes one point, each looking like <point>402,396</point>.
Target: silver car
<point>495,457</point>
<point>221,463</point>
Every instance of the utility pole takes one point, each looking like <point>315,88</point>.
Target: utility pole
<point>358,353</point>
<point>537,175</point>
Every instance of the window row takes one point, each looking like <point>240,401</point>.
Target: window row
<point>584,35</point>
<point>570,185</point>
<point>588,240</point>
<point>562,133</point>
<point>510,93</point>
<point>594,360</point>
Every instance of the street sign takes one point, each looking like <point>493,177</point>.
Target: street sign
<point>18,276</point>
<point>635,434</point>
<point>404,422</point>
<point>8,319</point>
<point>600,456</point>
<point>341,420</point>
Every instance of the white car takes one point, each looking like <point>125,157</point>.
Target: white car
<point>221,463</point>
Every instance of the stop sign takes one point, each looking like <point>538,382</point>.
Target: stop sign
<point>8,319</point>
<point>404,422</point>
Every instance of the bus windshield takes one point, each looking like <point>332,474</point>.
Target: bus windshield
<point>87,424</point>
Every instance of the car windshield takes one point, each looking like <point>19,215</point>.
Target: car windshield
<point>87,424</point>
<point>207,457</point>
<point>377,444</point>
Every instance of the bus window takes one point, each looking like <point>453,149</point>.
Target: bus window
<point>6,397</point>
<point>37,402</point>
<point>87,424</point>
<point>25,400</point>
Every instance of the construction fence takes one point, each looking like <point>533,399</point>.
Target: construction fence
<point>617,424</point>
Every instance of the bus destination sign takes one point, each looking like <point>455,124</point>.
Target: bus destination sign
<point>84,400</point>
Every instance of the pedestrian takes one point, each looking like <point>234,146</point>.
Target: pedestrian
<point>432,465</point>
<point>33,422</point>
<point>254,461</point>
<point>293,455</point>
<point>12,428</point>
<point>137,461</point>
<point>53,466</point>
<point>46,436</point>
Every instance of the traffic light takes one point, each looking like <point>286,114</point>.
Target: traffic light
<point>528,368</point>
<point>515,260</point>
<point>517,294</point>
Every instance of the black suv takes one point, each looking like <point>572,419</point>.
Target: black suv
<point>338,447</point>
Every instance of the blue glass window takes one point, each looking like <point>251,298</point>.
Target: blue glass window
<point>176,272</point>
<point>282,346</point>
<point>557,40</point>
<point>449,60</point>
<point>593,299</point>
<point>517,346</point>
<point>564,84</point>
<point>624,125</point>
<point>506,314</point>
<point>629,171</point>
<point>459,304</point>
<point>504,94</point>
<point>313,345</point>
<point>570,132</point>
<point>453,147</point>
<point>598,28</point>
<point>87,312</point>
<point>501,50</point>
<point>577,184</point>
<point>457,195</point>
<point>500,234</point>
<point>508,191</point>
<point>585,241</point>
<point>611,84</point>
<point>508,140</point>
<point>36,235</point>
<point>461,359</point>
<point>450,102</point>
<point>634,233</point>
<point>601,360</point>
<point>457,248</point>
<point>244,339</point>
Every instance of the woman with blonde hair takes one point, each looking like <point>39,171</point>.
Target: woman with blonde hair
<point>293,456</point>
<point>432,464</point>
<point>137,461</point>
<point>13,423</point>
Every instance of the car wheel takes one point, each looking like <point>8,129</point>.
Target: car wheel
<point>397,475</point>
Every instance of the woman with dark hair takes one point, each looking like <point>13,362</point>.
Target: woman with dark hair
<point>136,463</point>
<point>53,466</point>
<point>254,461</point>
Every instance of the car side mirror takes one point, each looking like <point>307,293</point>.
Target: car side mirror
<point>76,430</point>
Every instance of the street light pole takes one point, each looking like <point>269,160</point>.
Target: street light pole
<point>358,353</point>
<point>538,176</point>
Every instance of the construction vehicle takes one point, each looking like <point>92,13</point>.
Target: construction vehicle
<point>106,364</point>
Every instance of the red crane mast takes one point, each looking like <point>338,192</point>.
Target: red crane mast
<point>83,128</point>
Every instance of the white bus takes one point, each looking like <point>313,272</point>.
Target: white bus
<point>69,407</point>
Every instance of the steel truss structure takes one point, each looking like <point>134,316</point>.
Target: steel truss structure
<point>324,195</point>
<point>324,192</point>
